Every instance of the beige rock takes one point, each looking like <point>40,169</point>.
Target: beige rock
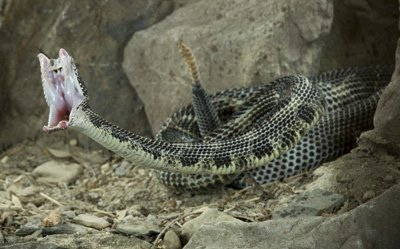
<point>139,226</point>
<point>59,153</point>
<point>171,240</point>
<point>371,225</point>
<point>56,172</point>
<point>352,40</point>
<point>236,44</point>
<point>94,38</point>
<point>84,240</point>
<point>90,220</point>
<point>387,116</point>
<point>210,216</point>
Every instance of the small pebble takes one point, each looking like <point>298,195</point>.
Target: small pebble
<point>91,221</point>
<point>123,169</point>
<point>94,196</point>
<point>309,203</point>
<point>171,240</point>
<point>67,229</point>
<point>105,168</point>
<point>4,160</point>
<point>210,215</point>
<point>368,195</point>
<point>389,179</point>
<point>69,214</point>
<point>138,226</point>
<point>137,210</point>
<point>56,172</point>
<point>73,142</point>
<point>120,171</point>
<point>95,157</point>
<point>141,172</point>
<point>28,228</point>
<point>343,179</point>
<point>52,219</point>
<point>59,153</point>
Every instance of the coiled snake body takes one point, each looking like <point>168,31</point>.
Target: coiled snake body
<point>266,132</point>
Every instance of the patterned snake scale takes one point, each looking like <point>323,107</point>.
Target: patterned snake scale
<point>264,132</point>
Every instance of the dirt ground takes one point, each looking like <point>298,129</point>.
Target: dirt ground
<point>111,188</point>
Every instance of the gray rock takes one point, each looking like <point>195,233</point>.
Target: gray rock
<point>67,229</point>
<point>33,226</point>
<point>236,44</point>
<point>139,226</point>
<point>95,157</point>
<point>368,195</point>
<point>352,40</point>
<point>3,9</point>
<point>95,39</point>
<point>171,240</point>
<point>93,196</point>
<point>210,216</point>
<point>28,228</point>
<point>90,220</point>
<point>389,179</point>
<point>69,214</point>
<point>371,225</point>
<point>59,153</point>
<point>77,241</point>
<point>310,203</point>
<point>57,172</point>
<point>387,116</point>
<point>123,168</point>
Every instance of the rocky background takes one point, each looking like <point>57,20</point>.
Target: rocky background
<point>127,55</point>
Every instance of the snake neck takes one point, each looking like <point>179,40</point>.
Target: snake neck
<point>133,147</point>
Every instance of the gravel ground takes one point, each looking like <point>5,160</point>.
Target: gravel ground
<point>46,184</point>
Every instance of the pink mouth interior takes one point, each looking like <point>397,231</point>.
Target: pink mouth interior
<point>59,107</point>
<point>59,90</point>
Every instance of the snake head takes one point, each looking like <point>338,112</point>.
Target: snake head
<point>63,89</point>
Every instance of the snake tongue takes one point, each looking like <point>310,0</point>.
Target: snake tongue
<point>59,83</point>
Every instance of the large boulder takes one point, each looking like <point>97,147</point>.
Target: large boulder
<point>95,33</point>
<point>387,116</point>
<point>237,43</point>
<point>363,32</point>
<point>243,43</point>
<point>371,225</point>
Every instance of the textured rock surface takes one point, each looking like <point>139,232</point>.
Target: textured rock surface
<point>106,240</point>
<point>3,10</point>
<point>138,227</point>
<point>372,225</point>
<point>236,44</point>
<point>30,228</point>
<point>90,220</point>
<point>239,43</point>
<point>95,34</point>
<point>387,117</point>
<point>363,32</point>
<point>210,216</point>
<point>310,203</point>
<point>57,172</point>
<point>171,240</point>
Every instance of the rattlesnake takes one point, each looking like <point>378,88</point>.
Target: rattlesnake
<point>266,131</point>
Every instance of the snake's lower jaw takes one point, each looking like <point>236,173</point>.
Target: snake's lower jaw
<point>62,125</point>
<point>62,90</point>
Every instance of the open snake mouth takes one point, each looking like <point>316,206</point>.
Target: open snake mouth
<point>62,89</point>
